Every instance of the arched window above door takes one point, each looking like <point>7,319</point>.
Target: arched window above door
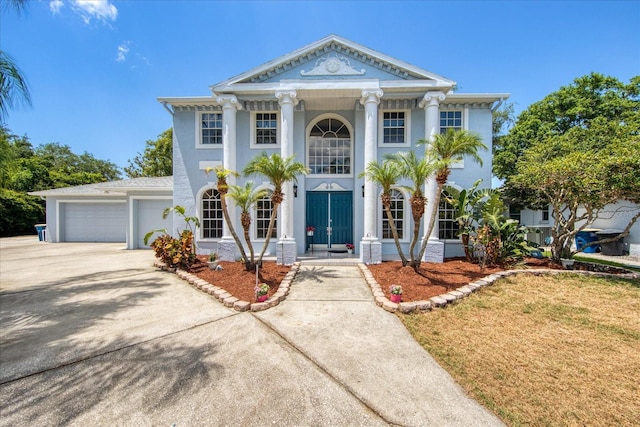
<point>329,147</point>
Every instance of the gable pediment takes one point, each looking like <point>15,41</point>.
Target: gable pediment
<point>333,58</point>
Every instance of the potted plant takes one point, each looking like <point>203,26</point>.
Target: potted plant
<point>350,247</point>
<point>213,260</point>
<point>262,292</point>
<point>310,230</point>
<point>396,293</point>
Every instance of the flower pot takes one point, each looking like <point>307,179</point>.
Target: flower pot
<point>567,264</point>
<point>309,233</point>
<point>349,251</point>
<point>262,298</point>
<point>212,265</point>
<point>396,298</point>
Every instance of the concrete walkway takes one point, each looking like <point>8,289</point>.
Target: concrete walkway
<point>92,334</point>
<point>330,317</point>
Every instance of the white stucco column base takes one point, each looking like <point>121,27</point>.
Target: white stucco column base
<point>370,250</point>
<point>434,251</point>
<point>227,249</point>
<point>286,251</point>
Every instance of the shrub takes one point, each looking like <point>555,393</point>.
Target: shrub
<point>175,253</point>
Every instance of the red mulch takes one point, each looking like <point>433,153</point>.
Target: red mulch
<point>434,279</point>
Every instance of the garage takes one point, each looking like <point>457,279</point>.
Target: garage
<point>115,211</point>
<point>94,222</point>
<point>150,218</point>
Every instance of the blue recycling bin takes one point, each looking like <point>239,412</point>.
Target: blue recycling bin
<point>585,237</point>
<point>41,229</point>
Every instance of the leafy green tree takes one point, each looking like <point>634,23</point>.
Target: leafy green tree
<point>246,199</point>
<point>578,184</point>
<point>24,169</point>
<point>447,149</point>
<point>157,159</point>
<point>577,151</point>
<point>278,171</point>
<point>68,168</point>
<point>386,175</point>
<point>574,106</point>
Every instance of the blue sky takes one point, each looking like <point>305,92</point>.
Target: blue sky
<point>95,68</point>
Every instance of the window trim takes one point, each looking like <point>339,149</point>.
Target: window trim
<point>407,223</point>
<point>253,230</point>
<point>199,144</point>
<point>308,129</point>
<point>252,126</point>
<point>454,239</point>
<point>200,214</point>
<point>407,128</point>
<point>465,126</point>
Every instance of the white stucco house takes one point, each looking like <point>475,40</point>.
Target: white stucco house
<point>336,106</point>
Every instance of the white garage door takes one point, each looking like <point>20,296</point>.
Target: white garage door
<point>95,222</point>
<point>150,218</point>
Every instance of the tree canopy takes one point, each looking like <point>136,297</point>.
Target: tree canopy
<point>577,151</point>
<point>24,168</point>
<point>586,101</point>
<point>157,159</point>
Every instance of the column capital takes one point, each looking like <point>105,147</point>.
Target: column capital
<point>431,99</point>
<point>371,95</point>
<point>229,101</point>
<point>287,97</point>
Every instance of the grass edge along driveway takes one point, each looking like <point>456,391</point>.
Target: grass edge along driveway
<point>543,350</point>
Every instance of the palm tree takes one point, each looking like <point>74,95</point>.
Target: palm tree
<point>223,188</point>
<point>417,170</point>
<point>278,171</point>
<point>446,149</point>
<point>246,198</point>
<point>13,85</point>
<point>386,175</point>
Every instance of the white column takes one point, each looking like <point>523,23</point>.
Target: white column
<point>288,101</point>
<point>431,105</point>
<point>230,105</point>
<point>370,247</point>
<point>286,252</point>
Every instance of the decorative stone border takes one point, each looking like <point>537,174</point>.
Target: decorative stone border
<point>466,290</point>
<point>229,300</point>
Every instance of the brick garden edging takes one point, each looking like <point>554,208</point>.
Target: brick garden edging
<point>229,300</point>
<point>463,291</point>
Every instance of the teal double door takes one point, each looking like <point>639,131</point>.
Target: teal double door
<point>331,214</point>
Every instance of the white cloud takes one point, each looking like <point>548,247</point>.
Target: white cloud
<point>101,10</point>
<point>55,6</point>
<point>123,50</point>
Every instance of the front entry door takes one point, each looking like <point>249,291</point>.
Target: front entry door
<point>331,214</point>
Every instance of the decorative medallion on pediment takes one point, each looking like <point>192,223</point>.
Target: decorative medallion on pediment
<point>333,65</point>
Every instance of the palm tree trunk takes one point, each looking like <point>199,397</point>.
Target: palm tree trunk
<point>394,232</point>
<point>272,222</point>
<point>225,214</point>
<point>432,222</point>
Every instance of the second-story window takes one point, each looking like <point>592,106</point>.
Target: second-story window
<point>211,128</point>
<point>266,128</point>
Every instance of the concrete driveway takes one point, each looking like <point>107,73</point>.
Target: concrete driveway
<point>92,334</point>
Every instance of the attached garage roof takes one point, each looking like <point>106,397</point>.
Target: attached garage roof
<point>115,188</point>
